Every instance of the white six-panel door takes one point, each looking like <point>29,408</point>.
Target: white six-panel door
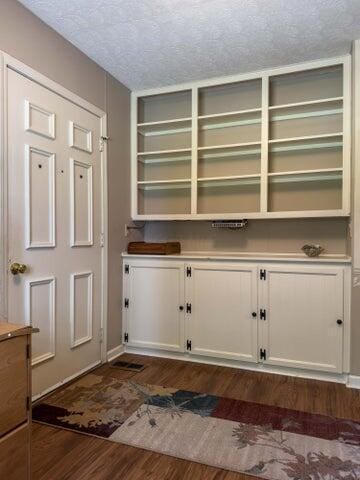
<point>54,228</point>
<point>304,317</point>
<point>154,305</point>
<point>223,318</point>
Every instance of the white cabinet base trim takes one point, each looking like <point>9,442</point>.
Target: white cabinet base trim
<point>255,367</point>
<point>115,352</point>
<point>353,381</point>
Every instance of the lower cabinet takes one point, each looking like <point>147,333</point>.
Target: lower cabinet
<point>304,317</point>
<point>154,305</point>
<point>222,322</point>
<point>284,314</point>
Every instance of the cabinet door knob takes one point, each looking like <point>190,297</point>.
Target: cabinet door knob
<point>339,321</point>
<point>181,308</point>
<point>254,314</point>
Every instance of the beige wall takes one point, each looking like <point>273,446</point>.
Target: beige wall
<point>287,236</point>
<point>27,38</point>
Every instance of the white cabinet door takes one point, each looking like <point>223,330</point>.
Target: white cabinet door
<point>154,304</point>
<point>223,321</point>
<point>304,317</point>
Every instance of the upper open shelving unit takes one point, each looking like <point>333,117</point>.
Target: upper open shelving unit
<point>273,144</point>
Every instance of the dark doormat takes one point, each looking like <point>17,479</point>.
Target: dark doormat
<point>133,367</point>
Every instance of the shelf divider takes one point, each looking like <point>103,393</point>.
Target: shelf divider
<point>194,148</point>
<point>264,144</point>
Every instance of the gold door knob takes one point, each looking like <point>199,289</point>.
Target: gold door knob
<point>16,268</point>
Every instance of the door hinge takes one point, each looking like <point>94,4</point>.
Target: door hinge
<point>102,141</point>
<point>28,351</point>
<point>126,303</point>
<point>188,308</point>
<point>27,403</point>
<point>101,335</point>
<point>127,268</point>
<point>188,344</point>
<point>262,354</point>
<point>262,314</point>
<point>126,337</point>
<point>188,271</point>
<point>262,274</point>
<point>102,239</point>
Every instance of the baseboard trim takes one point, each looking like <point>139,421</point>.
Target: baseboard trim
<point>115,352</point>
<point>67,380</point>
<point>257,367</point>
<point>353,381</point>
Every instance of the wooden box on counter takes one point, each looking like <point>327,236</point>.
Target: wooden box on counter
<point>144,248</point>
<point>15,404</point>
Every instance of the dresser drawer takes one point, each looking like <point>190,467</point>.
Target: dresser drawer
<point>15,454</point>
<point>14,383</point>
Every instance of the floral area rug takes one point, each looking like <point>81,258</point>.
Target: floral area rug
<point>260,440</point>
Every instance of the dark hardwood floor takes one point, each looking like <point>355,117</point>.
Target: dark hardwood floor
<point>64,455</point>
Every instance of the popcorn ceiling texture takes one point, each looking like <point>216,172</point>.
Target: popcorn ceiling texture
<point>152,43</point>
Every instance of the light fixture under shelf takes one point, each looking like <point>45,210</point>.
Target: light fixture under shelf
<point>230,224</point>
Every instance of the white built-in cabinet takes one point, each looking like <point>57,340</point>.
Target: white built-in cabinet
<point>154,305</point>
<point>271,144</point>
<point>282,314</point>
<point>223,301</point>
<point>304,316</point>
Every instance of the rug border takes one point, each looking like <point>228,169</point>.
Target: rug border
<point>181,457</point>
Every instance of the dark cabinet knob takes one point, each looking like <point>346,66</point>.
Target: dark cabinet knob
<point>254,314</point>
<point>339,321</point>
<point>181,308</point>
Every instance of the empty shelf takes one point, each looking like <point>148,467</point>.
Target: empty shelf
<point>307,137</point>
<point>329,174</point>
<point>166,127</point>
<point>229,181</point>
<point>164,184</point>
<point>303,104</point>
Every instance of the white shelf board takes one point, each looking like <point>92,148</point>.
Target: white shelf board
<point>238,153</point>
<point>250,256</point>
<point>306,146</point>
<point>339,213</point>
<point>273,118</point>
<point>301,172</point>
<point>236,123</point>
<point>315,113</point>
<point>170,127</point>
<point>164,152</point>
<point>304,104</point>
<point>328,174</point>
<point>231,145</point>
<point>229,114</point>
<point>307,137</point>
<point>179,183</point>
<point>229,181</point>
<point>179,158</point>
<point>164,122</point>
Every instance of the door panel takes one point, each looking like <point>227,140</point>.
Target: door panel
<point>223,298</point>
<point>155,291</point>
<point>303,305</point>
<point>54,202</point>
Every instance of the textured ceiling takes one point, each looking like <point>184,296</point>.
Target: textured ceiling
<point>150,43</point>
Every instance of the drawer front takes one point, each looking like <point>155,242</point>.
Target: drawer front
<point>15,454</point>
<point>13,383</point>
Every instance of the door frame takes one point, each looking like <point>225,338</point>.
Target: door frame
<point>9,62</point>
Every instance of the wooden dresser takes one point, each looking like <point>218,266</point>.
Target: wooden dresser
<point>15,401</point>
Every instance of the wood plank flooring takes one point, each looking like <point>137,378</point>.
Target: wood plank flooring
<point>64,455</point>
